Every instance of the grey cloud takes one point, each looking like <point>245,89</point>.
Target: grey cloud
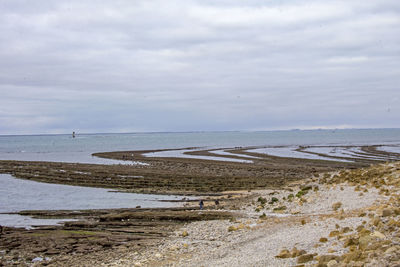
<point>198,65</point>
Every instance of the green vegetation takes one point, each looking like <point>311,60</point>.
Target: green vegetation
<point>262,200</point>
<point>273,200</point>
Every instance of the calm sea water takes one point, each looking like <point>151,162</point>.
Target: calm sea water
<point>79,149</point>
<point>16,195</point>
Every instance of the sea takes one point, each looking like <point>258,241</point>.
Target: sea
<point>17,195</point>
<point>64,148</point>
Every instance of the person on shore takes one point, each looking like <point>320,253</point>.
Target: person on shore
<point>201,204</point>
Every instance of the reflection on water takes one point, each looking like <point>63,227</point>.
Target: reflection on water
<point>70,157</point>
<point>15,220</point>
<point>180,153</point>
<point>290,152</point>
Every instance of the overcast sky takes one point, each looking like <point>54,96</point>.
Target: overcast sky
<point>126,66</point>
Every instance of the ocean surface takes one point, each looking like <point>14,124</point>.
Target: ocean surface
<point>67,149</point>
<point>17,195</point>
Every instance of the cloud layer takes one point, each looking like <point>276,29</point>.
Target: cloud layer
<point>153,65</point>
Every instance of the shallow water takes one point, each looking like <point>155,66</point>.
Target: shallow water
<point>15,220</point>
<point>391,149</point>
<point>290,152</point>
<point>79,149</point>
<point>17,195</point>
<point>70,157</point>
<point>226,153</point>
<point>180,154</point>
<point>352,152</point>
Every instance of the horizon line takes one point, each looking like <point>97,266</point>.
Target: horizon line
<point>204,131</point>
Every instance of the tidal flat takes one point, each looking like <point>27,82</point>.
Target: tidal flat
<point>255,199</point>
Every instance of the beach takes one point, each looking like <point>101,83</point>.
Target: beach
<point>347,218</point>
<point>322,205</point>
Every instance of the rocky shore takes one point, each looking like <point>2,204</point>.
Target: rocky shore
<point>274,212</point>
<point>346,218</point>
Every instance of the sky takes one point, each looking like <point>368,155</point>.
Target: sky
<point>156,65</point>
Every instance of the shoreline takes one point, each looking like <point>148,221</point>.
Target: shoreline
<point>132,237</point>
<point>349,218</point>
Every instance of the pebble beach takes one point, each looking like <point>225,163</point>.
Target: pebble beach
<point>346,218</point>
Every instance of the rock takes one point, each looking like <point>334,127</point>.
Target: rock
<point>185,233</point>
<point>350,242</point>
<point>336,205</point>
<point>378,235</point>
<point>305,258</point>
<point>332,263</point>
<point>334,233</point>
<point>396,211</point>
<point>365,232</point>
<point>391,250</point>
<point>52,252</point>
<point>364,241</point>
<point>376,221</point>
<point>39,249</point>
<point>386,212</point>
<point>232,228</point>
<point>295,252</point>
<point>284,254</point>
<point>327,258</point>
<point>360,228</point>
<point>37,259</point>
<point>352,256</point>
<point>346,229</point>
<point>241,226</point>
<point>323,239</point>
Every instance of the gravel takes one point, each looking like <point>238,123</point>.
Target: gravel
<point>256,242</point>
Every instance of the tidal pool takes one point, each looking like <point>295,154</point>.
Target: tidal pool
<point>18,195</point>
